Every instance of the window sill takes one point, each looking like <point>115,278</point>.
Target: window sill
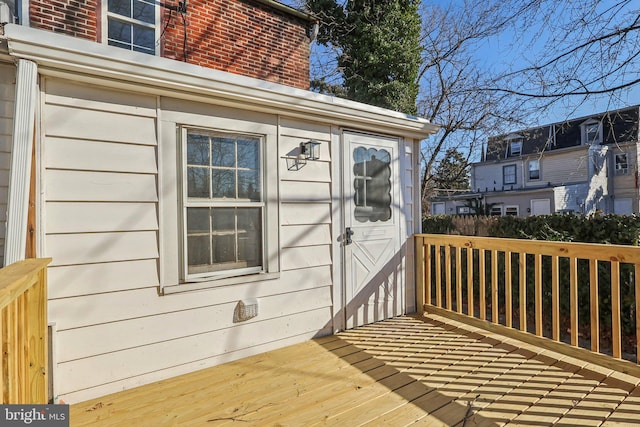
<point>216,283</point>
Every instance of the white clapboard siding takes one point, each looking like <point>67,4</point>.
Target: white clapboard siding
<point>68,122</point>
<point>110,367</point>
<point>86,279</point>
<point>305,235</point>
<point>64,185</point>
<point>91,217</point>
<point>298,191</point>
<point>7,97</point>
<point>308,256</point>
<point>85,96</point>
<point>314,170</point>
<point>103,338</point>
<point>70,249</point>
<point>89,310</point>
<point>305,213</point>
<point>63,153</point>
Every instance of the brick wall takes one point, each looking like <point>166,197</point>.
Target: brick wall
<point>72,17</point>
<point>238,36</point>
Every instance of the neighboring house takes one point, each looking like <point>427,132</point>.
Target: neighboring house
<point>195,216</point>
<point>581,165</point>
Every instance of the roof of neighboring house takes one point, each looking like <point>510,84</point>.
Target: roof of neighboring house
<point>618,126</point>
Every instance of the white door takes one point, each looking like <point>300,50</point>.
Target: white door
<point>373,277</point>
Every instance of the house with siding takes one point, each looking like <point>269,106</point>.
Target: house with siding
<point>199,204</point>
<point>581,165</point>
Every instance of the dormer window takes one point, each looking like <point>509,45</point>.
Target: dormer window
<point>515,148</point>
<point>592,132</point>
<point>514,145</point>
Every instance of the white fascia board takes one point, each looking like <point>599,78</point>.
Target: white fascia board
<point>60,55</point>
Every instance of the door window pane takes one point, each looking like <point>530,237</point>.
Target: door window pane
<point>372,184</point>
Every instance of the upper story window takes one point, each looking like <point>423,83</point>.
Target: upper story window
<point>224,206</point>
<point>534,169</point>
<point>509,174</point>
<point>592,132</point>
<point>622,164</point>
<point>131,24</point>
<point>515,147</point>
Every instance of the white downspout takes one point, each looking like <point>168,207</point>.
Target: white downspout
<point>20,168</point>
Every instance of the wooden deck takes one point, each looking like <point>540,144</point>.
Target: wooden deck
<point>430,371</point>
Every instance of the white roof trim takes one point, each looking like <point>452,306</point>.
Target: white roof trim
<point>60,55</point>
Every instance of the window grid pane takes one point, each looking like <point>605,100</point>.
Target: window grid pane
<point>224,180</point>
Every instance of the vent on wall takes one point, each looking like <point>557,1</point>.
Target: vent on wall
<point>245,310</point>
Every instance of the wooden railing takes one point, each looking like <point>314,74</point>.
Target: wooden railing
<point>23,323</point>
<point>580,294</point>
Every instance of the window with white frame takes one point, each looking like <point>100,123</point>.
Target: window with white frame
<point>463,210</point>
<point>509,174</point>
<point>511,210</point>
<point>224,205</point>
<point>131,24</point>
<point>534,169</point>
<point>622,164</point>
<point>591,132</point>
<point>515,147</point>
<point>496,210</point>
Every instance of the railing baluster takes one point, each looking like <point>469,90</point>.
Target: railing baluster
<point>494,286</point>
<point>470,310</point>
<point>615,309</point>
<point>447,274</point>
<point>458,279</point>
<point>594,310</point>
<point>555,298</point>
<point>482,294</point>
<point>522,290</point>
<point>428,269</point>
<point>573,299</point>
<point>538,293</point>
<point>508,298</point>
<point>438,249</point>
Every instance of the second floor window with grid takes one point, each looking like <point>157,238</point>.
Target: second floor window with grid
<point>591,132</point>
<point>223,204</point>
<point>131,24</point>
<point>509,174</point>
<point>622,165</point>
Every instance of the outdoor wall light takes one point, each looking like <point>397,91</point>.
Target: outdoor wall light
<point>310,150</point>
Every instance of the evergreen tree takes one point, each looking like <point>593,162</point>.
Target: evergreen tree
<point>452,172</point>
<point>378,45</point>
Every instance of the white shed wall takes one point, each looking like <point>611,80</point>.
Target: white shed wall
<point>112,230</point>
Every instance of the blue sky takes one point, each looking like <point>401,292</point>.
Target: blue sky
<point>500,53</point>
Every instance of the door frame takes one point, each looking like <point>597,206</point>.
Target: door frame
<point>341,281</point>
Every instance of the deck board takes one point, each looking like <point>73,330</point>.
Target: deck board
<point>429,370</point>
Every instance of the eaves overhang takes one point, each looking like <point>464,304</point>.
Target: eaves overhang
<point>81,60</point>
